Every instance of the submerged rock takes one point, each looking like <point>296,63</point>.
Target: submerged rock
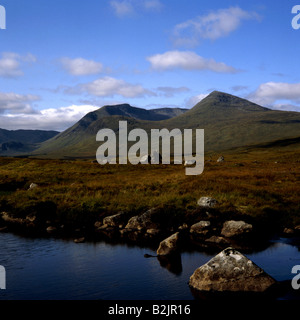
<point>169,245</point>
<point>51,229</point>
<point>230,271</point>
<point>79,240</point>
<point>217,240</point>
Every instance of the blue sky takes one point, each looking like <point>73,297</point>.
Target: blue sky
<point>60,59</point>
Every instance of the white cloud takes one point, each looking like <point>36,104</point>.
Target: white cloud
<point>81,67</point>
<point>191,102</point>
<point>16,103</point>
<point>10,64</point>
<point>211,26</point>
<point>47,119</point>
<point>270,92</point>
<point>286,107</point>
<point>124,8</point>
<point>109,87</point>
<point>187,60</point>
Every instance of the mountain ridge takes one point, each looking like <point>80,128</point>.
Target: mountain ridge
<point>228,121</point>
<point>22,141</point>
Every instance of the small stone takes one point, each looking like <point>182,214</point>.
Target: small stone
<point>79,240</point>
<point>288,231</point>
<point>207,202</point>
<point>153,232</point>
<point>33,186</point>
<point>97,224</point>
<point>51,229</point>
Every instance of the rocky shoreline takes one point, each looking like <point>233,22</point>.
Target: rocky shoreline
<point>205,228</point>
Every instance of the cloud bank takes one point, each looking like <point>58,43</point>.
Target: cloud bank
<point>187,60</point>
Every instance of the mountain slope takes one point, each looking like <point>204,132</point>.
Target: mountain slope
<point>13,142</point>
<point>228,121</point>
<point>80,139</point>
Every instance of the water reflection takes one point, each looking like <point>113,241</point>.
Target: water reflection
<point>60,269</point>
<point>171,263</point>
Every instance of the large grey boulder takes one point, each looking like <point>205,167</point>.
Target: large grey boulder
<point>169,245</point>
<point>207,202</point>
<point>144,221</point>
<point>230,271</point>
<point>234,228</point>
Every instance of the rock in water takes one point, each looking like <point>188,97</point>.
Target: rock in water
<point>234,228</point>
<point>201,227</point>
<point>230,271</point>
<point>168,246</point>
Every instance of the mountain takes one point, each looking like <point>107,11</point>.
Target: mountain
<point>80,139</point>
<point>14,142</point>
<point>228,121</point>
<point>137,113</point>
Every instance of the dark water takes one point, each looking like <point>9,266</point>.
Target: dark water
<point>58,269</point>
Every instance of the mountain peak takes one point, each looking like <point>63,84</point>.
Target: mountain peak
<point>222,100</point>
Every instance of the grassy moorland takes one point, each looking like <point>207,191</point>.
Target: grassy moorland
<point>258,185</point>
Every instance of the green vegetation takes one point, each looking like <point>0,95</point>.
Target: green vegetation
<point>260,185</point>
<point>13,142</point>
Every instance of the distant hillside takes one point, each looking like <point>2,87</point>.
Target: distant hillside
<point>228,121</point>
<point>137,113</point>
<point>15,142</point>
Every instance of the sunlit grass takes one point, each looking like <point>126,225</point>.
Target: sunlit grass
<point>249,183</point>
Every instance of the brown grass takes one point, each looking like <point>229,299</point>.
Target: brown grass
<point>248,183</point>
